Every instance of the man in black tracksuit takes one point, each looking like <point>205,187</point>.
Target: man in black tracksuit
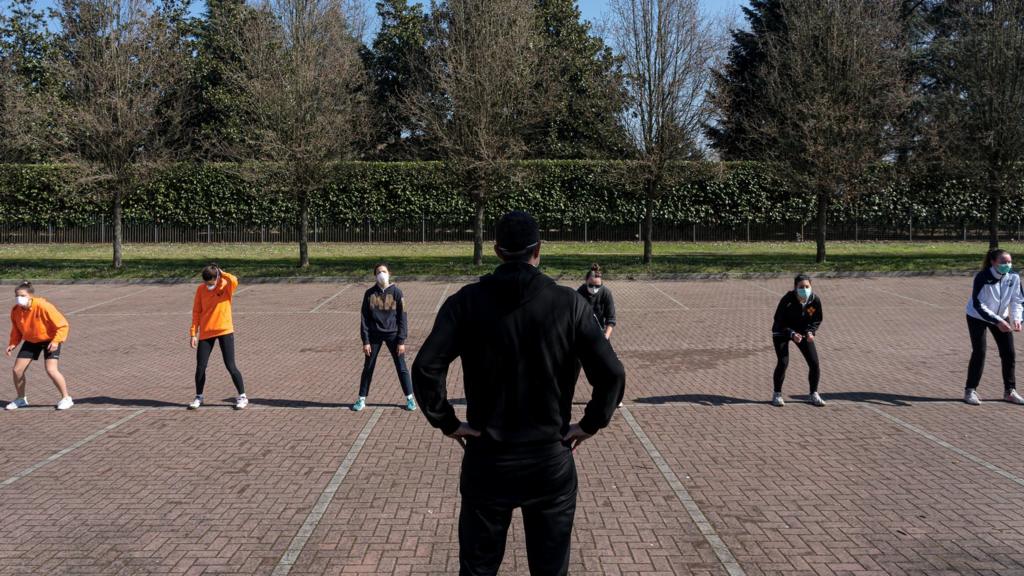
<point>521,339</point>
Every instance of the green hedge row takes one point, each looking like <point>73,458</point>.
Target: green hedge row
<point>556,192</point>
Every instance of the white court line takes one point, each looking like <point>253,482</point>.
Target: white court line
<point>666,295</point>
<point>440,301</point>
<point>71,448</point>
<point>759,287</point>
<point>243,289</point>
<point>959,451</point>
<point>725,556</point>
<point>107,301</point>
<point>335,295</point>
<point>902,296</point>
<point>291,555</point>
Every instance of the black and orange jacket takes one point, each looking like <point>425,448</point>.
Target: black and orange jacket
<point>792,317</point>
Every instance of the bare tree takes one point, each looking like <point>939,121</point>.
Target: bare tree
<point>974,81</point>
<point>482,72</point>
<point>834,88</point>
<point>303,87</point>
<point>667,49</point>
<point>123,65</point>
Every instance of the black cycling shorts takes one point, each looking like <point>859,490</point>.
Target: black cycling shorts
<point>33,349</point>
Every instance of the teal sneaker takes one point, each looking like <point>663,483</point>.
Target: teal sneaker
<point>410,404</point>
<point>359,405</point>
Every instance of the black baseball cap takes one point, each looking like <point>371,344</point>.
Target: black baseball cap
<point>516,233</point>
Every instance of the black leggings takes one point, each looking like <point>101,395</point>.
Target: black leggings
<point>1004,341</point>
<point>810,354</point>
<point>227,351</point>
<point>371,361</point>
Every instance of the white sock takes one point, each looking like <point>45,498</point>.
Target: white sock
<point>409,397</point>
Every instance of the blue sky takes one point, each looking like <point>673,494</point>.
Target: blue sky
<point>593,10</point>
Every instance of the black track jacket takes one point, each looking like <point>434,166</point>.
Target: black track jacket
<point>521,338</point>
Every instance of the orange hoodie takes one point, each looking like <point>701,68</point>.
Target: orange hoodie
<point>40,322</point>
<point>211,309</point>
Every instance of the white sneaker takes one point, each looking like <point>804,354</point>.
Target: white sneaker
<point>65,403</point>
<point>241,402</point>
<point>195,404</point>
<point>971,397</point>
<point>1013,398</point>
<point>777,399</point>
<point>815,399</point>
<point>19,403</point>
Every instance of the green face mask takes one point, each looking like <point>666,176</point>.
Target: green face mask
<point>1004,268</point>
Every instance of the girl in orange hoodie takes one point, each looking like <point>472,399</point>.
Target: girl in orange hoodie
<point>211,323</point>
<point>40,329</point>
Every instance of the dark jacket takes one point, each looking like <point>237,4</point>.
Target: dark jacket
<point>793,318</point>
<point>383,315</point>
<point>521,338</point>
<point>602,303</point>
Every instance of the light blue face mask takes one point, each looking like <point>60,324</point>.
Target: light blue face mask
<point>1004,268</point>
<point>804,293</point>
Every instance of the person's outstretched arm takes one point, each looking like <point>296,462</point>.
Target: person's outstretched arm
<point>603,369</point>
<point>430,370</point>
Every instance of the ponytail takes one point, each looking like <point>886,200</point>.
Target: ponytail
<point>992,255</point>
<point>594,272</point>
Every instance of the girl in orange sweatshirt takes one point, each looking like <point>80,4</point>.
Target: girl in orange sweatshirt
<point>40,329</point>
<point>211,323</point>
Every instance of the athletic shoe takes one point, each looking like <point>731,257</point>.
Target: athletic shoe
<point>65,403</point>
<point>777,400</point>
<point>359,405</point>
<point>241,402</point>
<point>195,404</point>
<point>410,404</point>
<point>815,399</point>
<point>620,404</point>
<point>1013,398</point>
<point>19,403</point>
<point>971,397</point>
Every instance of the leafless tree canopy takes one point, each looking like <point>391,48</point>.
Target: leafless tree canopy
<point>122,69</point>
<point>304,89</point>
<point>483,70</point>
<point>834,85</point>
<point>976,89</point>
<point>667,51</point>
<point>667,48</point>
<point>302,81</point>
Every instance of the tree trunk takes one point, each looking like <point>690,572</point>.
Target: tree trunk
<point>303,230</point>
<point>651,190</point>
<point>478,231</point>
<point>823,196</point>
<point>993,214</point>
<point>118,251</point>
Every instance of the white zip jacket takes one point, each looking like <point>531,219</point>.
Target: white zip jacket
<point>996,297</point>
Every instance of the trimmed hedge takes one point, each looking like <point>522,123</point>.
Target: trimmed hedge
<point>556,192</point>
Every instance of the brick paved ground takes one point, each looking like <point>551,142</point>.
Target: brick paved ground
<point>895,476</point>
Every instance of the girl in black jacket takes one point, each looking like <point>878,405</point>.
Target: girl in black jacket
<point>797,319</point>
<point>600,298</point>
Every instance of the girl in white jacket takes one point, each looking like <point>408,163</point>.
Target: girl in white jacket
<point>995,306</point>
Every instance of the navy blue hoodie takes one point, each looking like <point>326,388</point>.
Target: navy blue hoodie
<point>383,315</point>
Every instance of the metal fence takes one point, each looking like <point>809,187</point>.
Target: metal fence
<point>426,231</point>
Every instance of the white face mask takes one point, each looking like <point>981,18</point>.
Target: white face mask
<point>594,289</point>
<point>23,301</point>
<point>382,278</point>
<point>211,287</point>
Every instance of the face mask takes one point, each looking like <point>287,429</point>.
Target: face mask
<point>23,301</point>
<point>594,289</point>
<point>1004,268</point>
<point>211,287</point>
<point>383,278</point>
<point>804,293</point>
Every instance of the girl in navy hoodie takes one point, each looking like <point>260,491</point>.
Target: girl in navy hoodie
<point>383,323</point>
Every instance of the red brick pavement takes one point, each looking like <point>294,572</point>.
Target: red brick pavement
<point>840,490</point>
